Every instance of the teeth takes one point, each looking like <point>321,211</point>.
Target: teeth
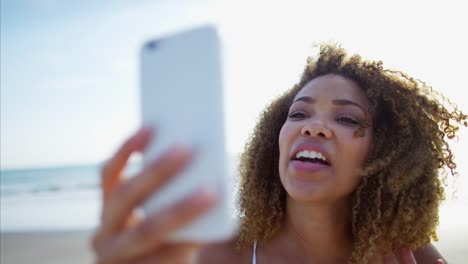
<point>310,155</point>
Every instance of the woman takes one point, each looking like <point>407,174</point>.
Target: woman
<point>342,168</point>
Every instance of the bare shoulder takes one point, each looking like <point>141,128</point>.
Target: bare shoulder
<point>225,251</point>
<point>428,254</point>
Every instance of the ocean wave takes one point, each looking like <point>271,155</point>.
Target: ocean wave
<point>46,189</point>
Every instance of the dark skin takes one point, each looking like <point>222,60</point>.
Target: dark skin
<point>123,238</point>
<point>272,254</point>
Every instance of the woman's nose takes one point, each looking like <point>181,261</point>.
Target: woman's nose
<point>316,129</point>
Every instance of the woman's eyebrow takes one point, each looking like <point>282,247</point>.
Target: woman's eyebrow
<point>348,102</point>
<point>311,100</point>
<point>306,99</point>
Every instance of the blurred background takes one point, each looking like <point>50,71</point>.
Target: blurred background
<point>69,87</point>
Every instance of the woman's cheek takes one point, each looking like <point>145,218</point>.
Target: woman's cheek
<point>282,149</point>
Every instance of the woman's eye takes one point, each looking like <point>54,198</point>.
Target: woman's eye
<point>297,115</point>
<point>347,121</point>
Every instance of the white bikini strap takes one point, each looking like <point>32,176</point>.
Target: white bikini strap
<point>254,255</point>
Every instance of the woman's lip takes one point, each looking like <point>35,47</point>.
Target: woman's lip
<point>310,147</point>
<point>309,167</point>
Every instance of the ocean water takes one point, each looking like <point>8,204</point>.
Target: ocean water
<point>69,198</point>
<point>50,198</point>
<point>66,198</point>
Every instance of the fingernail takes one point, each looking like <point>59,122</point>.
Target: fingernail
<point>142,137</point>
<point>205,195</point>
<point>141,131</point>
<point>178,150</point>
<point>207,192</point>
<point>145,129</point>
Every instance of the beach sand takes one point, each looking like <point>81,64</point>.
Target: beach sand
<point>54,247</point>
<point>71,247</point>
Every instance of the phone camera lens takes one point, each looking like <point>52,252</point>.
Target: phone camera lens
<point>152,45</point>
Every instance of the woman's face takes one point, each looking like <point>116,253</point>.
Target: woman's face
<point>325,140</point>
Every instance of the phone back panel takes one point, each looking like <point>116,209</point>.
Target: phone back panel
<point>182,96</point>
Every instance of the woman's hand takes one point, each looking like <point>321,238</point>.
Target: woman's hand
<point>406,257</point>
<point>124,238</point>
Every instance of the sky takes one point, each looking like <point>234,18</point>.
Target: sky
<point>69,70</point>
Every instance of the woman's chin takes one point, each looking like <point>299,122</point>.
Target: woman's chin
<point>305,191</point>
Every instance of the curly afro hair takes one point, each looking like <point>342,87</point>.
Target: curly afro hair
<point>396,202</point>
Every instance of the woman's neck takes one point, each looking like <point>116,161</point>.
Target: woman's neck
<point>317,231</point>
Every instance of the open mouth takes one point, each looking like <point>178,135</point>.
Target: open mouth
<point>311,157</point>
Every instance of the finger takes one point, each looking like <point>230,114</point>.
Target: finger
<point>440,261</point>
<point>183,253</point>
<point>146,236</point>
<point>390,259</point>
<point>111,172</point>
<point>407,256</point>
<point>130,194</point>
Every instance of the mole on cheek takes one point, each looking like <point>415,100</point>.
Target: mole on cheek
<point>360,132</point>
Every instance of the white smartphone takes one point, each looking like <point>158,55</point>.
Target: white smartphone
<point>182,96</point>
